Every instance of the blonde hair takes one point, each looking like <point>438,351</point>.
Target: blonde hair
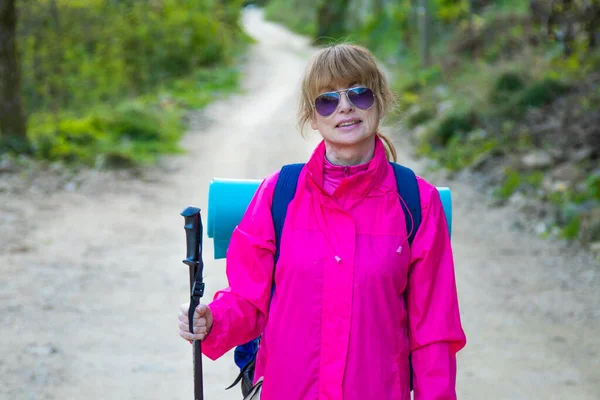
<point>342,65</point>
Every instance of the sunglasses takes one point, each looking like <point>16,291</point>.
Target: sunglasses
<point>361,97</point>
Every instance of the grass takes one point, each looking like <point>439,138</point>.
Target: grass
<point>134,132</point>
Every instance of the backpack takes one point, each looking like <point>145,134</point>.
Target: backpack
<point>285,189</point>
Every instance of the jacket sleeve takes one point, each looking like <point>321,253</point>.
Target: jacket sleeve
<point>435,330</point>
<point>240,310</point>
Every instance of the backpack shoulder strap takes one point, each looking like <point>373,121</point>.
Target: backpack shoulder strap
<point>285,189</point>
<point>408,189</point>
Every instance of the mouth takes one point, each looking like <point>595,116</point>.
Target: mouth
<point>345,124</point>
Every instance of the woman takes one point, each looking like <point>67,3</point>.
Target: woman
<point>352,299</point>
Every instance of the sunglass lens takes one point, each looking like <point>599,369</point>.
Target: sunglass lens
<point>326,104</point>
<point>361,97</point>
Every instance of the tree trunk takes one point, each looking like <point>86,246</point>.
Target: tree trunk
<point>424,19</point>
<point>12,117</point>
<point>58,97</point>
<point>593,25</point>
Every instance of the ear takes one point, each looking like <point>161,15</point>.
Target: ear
<point>313,123</point>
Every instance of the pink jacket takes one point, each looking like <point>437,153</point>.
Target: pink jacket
<point>352,300</point>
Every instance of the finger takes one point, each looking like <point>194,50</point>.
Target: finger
<point>187,335</point>
<point>200,331</point>
<point>195,336</point>
<point>183,326</point>
<point>201,310</point>
<point>183,317</point>
<point>200,322</point>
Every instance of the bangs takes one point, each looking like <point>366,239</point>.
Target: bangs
<point>338,68</point>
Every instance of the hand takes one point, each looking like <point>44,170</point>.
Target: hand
<point>203,321</point>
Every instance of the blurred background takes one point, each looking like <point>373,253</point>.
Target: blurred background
<point>509,88</point>
<point>116,114</point>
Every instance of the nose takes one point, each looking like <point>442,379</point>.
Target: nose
<point>345,103</point>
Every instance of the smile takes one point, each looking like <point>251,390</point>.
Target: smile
<point>348,123</point>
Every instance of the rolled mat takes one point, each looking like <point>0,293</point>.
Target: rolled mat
<point>228,200</point>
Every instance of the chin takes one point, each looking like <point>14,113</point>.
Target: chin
<point>353,138</point>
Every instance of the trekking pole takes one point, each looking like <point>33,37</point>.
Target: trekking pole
<point>193,234</point>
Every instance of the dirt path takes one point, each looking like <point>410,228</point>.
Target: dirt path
<point>91,278</point>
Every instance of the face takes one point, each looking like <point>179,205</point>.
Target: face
<point>348,125</point>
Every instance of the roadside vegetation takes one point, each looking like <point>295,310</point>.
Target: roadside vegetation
<point>108,83</point>
<point>506,89</point>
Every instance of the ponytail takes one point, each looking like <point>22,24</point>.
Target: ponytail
<point>390,150</point>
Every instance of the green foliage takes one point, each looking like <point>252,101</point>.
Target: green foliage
<point>460,153</point>
<point>572,24</point>
<point>575,205</point>
<point>505,86</point>
<point>537,94</point>
<point>205,85</point>
<point>512,182</point>
<point>515,180</point>
<point>298,15</point>
<point>512,6</point>
<point>592,185</point>
<point>417,79</point>
<point>331,21</point>
<point>106,82</point>
<point>134,132</point>
<point>79,53</point>
<point>450,11</point>
<point>494,36</point>
<point>492,65</point>
<point>136,122</point>
<point>571,228</point>
<point>535,179</point>
<point>541,93</point>
<point>421,116</point>
<point>409,86</point>
<point>393,22</point>
<point>454,125</point>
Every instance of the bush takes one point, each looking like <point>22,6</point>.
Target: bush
<point>75,54</point>
<point>507,84</point>
<point>419,117</point>
<point>107,82</point>
<point>454,124</point>
<point>135,132</point>
<point>538,94</point>
<point>541,93</point>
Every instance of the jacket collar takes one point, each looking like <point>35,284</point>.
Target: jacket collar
<point>356,186</point>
